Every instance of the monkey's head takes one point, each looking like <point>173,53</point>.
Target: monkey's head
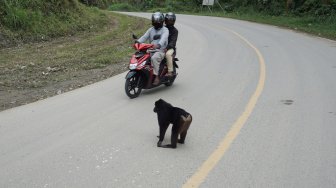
<point>161,105</point>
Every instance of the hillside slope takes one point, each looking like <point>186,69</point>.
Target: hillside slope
<point>62,51</point>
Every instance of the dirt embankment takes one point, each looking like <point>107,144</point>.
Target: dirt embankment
<point>32,72</point>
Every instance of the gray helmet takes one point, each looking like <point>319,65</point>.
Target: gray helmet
<point>170,19</point>
<point>157,20</point>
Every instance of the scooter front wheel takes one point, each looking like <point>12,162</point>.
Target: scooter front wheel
<point>132,86</point>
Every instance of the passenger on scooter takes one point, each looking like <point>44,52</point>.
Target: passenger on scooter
<point>170,19</point>
<point>157,35</point>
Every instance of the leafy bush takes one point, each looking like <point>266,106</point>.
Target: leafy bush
<point>23,15</point>
<point>270,7</point>
<point>121,7</point>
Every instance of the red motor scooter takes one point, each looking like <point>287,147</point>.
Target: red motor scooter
<point>141,74</point>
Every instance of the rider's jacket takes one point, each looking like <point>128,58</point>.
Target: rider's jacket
<point>173,33</point>
<point>163,34</point>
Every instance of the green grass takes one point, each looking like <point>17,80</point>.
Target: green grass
<point>35,21</point>
<point>308,24</point>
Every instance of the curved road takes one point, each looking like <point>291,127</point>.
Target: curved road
<point>263,101</point>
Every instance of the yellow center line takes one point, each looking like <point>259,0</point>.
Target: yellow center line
<point>200,175</point>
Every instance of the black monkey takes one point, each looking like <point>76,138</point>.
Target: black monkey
<point>180,119</point>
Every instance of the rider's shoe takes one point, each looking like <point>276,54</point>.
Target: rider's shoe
<point>156,81</point>
<point>169,74</point>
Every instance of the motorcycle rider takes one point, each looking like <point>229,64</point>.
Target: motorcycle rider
<point>170,19</point>
<point>157,35</point>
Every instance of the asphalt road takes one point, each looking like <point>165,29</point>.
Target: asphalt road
<point>277,84</point>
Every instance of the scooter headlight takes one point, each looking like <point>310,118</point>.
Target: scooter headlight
<point>132,66</point>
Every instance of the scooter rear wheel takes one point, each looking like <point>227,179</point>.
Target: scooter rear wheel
<point>171,80</point>
<point>132,86</point>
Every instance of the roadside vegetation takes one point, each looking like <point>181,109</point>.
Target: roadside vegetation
<point>317,17</point>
